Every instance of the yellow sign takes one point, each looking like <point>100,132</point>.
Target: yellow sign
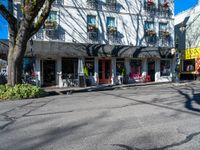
<point>191,53</point>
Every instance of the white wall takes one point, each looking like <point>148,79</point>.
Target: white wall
<point>130,17</point>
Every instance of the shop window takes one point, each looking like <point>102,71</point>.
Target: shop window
<point>189,65</point>
<point>165,68</point>
<point>28,66</point>
<point>120,67</point>
<point>70,68</point>
<point>136,68</point>
<point>89,64</point>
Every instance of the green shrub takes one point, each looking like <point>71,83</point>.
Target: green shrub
<point>20,91</point>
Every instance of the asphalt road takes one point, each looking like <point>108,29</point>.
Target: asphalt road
<point>159,117</point>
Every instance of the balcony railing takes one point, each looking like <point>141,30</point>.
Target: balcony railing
<point>164,40</point>
<point>92,32</point>
<point>111,5</point>
<point>58,2</point>
<point>150,36</point>
<point>150,6</point>
<point>92,3</point>
<point>92,37</point>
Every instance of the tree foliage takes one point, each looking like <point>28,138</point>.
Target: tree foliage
<point>34,14</point>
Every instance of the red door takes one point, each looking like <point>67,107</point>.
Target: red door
<point>104,71</point>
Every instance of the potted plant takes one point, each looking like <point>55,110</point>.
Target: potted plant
<point>92,28</point>
<point>151,32</point>
<point>50,24</point>
<point>112,29</point>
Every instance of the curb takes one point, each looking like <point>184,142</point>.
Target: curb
<point>114,87</point>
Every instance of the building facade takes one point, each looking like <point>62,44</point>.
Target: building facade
<point>107,41</point>
<point>188,42</point>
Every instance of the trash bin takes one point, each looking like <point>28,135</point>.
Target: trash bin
<point>81,81</point>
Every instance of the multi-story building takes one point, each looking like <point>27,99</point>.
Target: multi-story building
<point>105,39</point>
<point>187,33</point>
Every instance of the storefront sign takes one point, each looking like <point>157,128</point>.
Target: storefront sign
<point>191,53</point>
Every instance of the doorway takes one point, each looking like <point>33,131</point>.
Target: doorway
<point>151,69</point>
<point>49,72</point>
<point>104,71</point>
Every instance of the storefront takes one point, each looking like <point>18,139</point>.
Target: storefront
<point>190,64</point>
<point>65,64</point>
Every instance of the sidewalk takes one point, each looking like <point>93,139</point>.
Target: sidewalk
<point>69,90</point>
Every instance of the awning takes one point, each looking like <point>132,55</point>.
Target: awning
<point>63,49</point>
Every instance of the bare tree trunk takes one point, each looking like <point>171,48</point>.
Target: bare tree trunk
<point>15,58</point>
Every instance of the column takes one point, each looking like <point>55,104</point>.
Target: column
<point>144,67</point>
<point>38,72</point>
<point>96,69</point>
<point>81,77</point>
<point>157,70</point>
<point>127,65</point>
<point>59,82</point>
<point>113,70</point>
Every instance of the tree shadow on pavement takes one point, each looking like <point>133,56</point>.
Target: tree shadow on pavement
<point>195,98</point>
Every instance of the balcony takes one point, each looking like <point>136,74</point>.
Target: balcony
<point>150,32</point>
<point>164,9</point>
<point>150,36</point>
<point>111,5</point>
<point>111,30</point>
<point>164,40</point>
<point>50,25</point>
<point>92,3</point>
<point>164,34</point>
<point>92,32</point>
<point>150,6</point>
<point>58,2</point>
<point>92,28</point>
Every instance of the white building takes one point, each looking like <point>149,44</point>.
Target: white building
<point>187,33</point>
<point>108,37</point>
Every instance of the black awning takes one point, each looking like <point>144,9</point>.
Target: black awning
<point>63,49</point>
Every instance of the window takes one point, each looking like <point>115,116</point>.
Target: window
<point>162,26</point>
<point>136,68</point>
<point>89,64</point>
<point>165,68</point>
<point>189,65</point>
<point>70,68</point>
<point>110,22</point>
<point>52,16</point>
<point>91,20</point>
<point>119,66</point>
<point>149,25</point>
<point>28,66</point>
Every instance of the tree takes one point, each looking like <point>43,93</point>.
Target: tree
<point>34,14</point>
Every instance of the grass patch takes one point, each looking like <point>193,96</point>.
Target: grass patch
<point>20,91</point>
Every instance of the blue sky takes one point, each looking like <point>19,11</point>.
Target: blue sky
<point>181,5</point>
<point>3,24</point>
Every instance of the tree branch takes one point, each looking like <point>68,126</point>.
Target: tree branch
<point>12,21</point>
<point>43,16</point>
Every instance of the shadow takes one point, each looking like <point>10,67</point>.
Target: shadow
<point>195,98</point>
<point>155,104</point>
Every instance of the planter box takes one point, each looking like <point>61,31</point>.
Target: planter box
<point>50,24</point>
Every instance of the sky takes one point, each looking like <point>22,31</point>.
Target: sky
<point>3,24</point>
<point>181,5</point>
